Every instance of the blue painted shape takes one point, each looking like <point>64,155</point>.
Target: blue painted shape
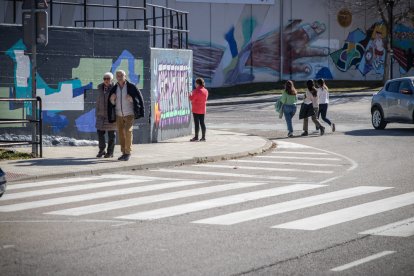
<point>86,122</point>
<point>229,36</point>
<point>81,90</point>
<point>48,91</point>
<point>132,76</point>
<point>356,36</point>
<point>55,121</point>
<point>324,73</point>
<point>14,105</point>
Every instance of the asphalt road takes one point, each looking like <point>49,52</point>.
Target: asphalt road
<point>313,206</point>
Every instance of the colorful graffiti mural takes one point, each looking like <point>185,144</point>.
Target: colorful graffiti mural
<point>403,46</point>
<point>366,51</point>
<point>171,80</point>
<point>254,53</point>
<point>68,91</point>
<point>236,44</point>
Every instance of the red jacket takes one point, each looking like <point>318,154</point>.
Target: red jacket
<point>198,100</point>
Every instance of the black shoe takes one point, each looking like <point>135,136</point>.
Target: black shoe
<point>122,157</point>
<point>333,128</point>
<point>126,157</point>
<point>195,139</point>
<point>109,155</point>
<point>203,139</point>
<point>100,153</point>
<point>305,133</point>
<point>322,131</point>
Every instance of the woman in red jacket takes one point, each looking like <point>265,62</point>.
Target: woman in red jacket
<point>198,100</point>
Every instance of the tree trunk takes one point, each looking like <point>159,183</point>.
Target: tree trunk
<point>387,63</point>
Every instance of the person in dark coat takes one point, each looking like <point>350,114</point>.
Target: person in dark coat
<point>102,123</point>
<point>125,104</point>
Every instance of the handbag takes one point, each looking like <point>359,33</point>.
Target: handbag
<point>306,111</point>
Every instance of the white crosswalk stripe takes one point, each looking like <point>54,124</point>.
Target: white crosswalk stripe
<point>299,158</point>
<point>403,228</point>
<point>113,205</point>
<point>298,153</point>
<point>287,163</point>
<point>351,213</point>
<point>225,174</point>
<point>362,261</point>
<point>217,202</point>
<point>261,168</point>
<point>283,207</point>
<point>78,180</point>
<point>11,196</point>
<point>51,182</point>
<point>96,195</point>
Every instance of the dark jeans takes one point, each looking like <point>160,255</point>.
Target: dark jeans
<point>323,109</point>
<point>199,120</point>
<point>111,141</point>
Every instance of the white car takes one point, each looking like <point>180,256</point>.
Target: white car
<point>394,103</point>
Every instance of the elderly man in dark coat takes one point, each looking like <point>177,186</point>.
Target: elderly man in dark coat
<point>102,123</point>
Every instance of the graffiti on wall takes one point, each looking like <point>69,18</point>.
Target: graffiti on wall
<point>248,58</point>
<point>366,51</point>
<point>403,47</point>
<point>246,45</point>
<point>171,80</point>
<point>70,106</point>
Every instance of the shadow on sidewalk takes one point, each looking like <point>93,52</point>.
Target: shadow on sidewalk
<point>384,132</point>
<point>311,135</point>
<point>63,162</point>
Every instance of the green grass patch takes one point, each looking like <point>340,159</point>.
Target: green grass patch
<point>269,88</point>
<point>13,155</point>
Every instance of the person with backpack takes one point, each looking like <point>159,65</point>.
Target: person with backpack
<point>126,101</point>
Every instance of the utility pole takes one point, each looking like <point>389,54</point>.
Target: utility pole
<point>34,73</point>
<point>35,28</point>
<point>390,6</point>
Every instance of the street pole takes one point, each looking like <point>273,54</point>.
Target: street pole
<point>34,73</point>
<point>390,4</point>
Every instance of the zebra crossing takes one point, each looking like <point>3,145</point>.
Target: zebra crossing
<point>227,188</point>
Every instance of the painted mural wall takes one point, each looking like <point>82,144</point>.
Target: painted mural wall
<point>69,70</point>
<point>171,83</point>
<point>300,39</point>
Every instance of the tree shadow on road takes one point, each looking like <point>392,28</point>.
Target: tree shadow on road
<point>384,132</point>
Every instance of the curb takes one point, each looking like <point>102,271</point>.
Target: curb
<point>275,97</point>
<point>196,160</point>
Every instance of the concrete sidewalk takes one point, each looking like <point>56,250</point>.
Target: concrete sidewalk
<point>72,161</point>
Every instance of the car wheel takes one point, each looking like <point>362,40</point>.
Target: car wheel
<point>378,121</point>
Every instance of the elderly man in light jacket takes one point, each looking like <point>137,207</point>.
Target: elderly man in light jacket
<point>127,102</point>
